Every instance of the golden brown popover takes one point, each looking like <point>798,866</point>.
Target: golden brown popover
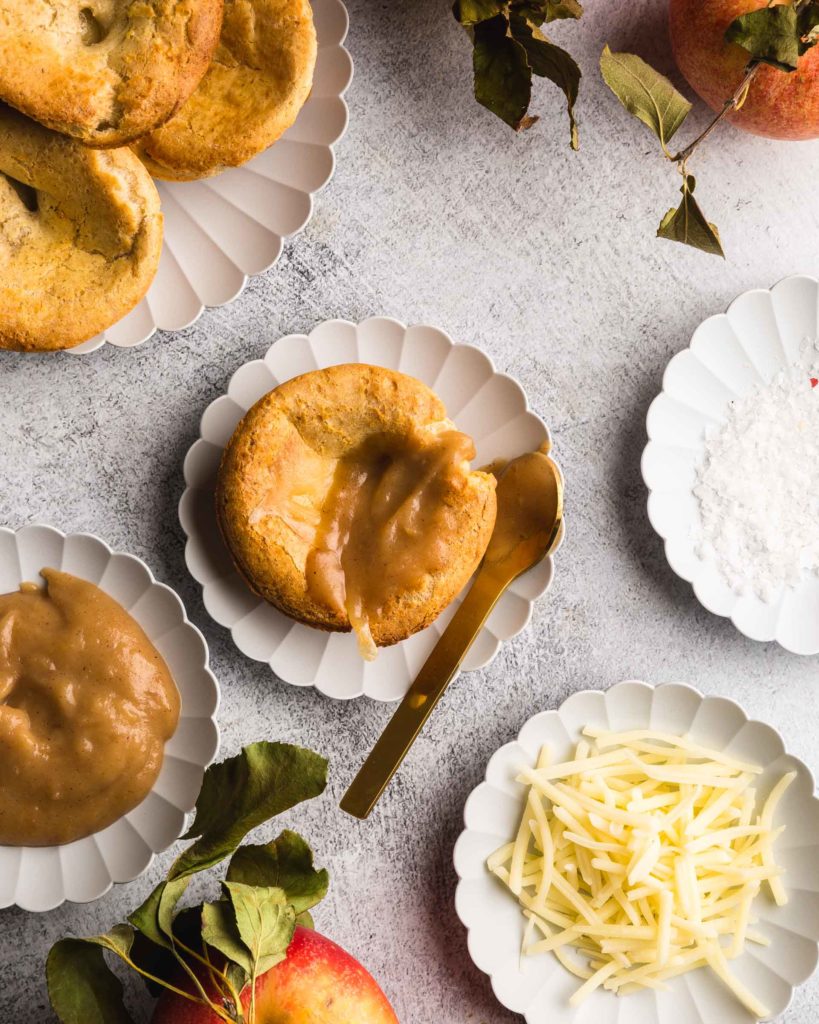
<point>107,71</point>
<point>257,82</point>
<point>80,236</point>
<point>346,499</point>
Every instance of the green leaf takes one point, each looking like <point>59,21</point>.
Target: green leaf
<point>538,11</point>
<point>305,919</point>
<point>687,223</point>
<point>550,61</point>
<point>240,793</point>
<point>285,863</point>
<point>770,35</point>
<point>503,78</point>
<point>645,93</point>
<point>237,795</point>
<point>560,9</point>
<point>154,918</point>
<point>470,12</point>
<point>238,977</point>
<point>219,931</point>
<point>119,939</point>
<point>82,988</point>
<point>265,921</point>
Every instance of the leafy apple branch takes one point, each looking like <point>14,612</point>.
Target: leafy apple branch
<point>776,36</point>
<point>219,948</point>
<point>509,47</point>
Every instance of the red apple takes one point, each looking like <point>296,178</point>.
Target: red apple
<point>780,105</point>
<point>318,983</point>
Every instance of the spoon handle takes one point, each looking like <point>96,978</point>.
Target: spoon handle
<point>435,675</point>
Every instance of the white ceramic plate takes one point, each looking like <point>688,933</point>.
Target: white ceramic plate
<point>488,405</point>
<point>730,355</point>
<point>539,987</point>
<point>41,878</point>
<point>220,231</point>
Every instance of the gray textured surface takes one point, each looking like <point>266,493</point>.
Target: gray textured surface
<point>438,214</point>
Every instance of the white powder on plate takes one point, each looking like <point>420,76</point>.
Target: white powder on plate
<point>758,484</point>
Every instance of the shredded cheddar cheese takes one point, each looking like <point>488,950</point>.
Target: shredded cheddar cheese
<point>642,856</point>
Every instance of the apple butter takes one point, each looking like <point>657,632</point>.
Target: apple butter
<point>86,706</point>
<point>385,523</point>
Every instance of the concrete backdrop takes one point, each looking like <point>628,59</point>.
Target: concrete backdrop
<point>547,259</point>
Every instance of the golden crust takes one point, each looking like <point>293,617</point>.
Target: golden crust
<point>294,434</point>
<point>107,74</point>
<point>259,79</point>
<point>80,236</point>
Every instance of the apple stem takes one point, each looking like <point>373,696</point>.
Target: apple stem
<point>729,105</point>
<point>171,988</point>
<point>203,996</point>
<point>220,980</point>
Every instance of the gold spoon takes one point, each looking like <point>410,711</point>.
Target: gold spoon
<point>527,528</point>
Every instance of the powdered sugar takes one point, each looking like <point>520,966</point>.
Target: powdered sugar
<point>758,484</point>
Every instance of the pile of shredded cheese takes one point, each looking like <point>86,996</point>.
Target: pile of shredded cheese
<point>644,855</point>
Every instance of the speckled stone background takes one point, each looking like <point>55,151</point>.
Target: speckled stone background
<point>439,214</point>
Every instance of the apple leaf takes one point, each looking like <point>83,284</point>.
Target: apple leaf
<point>538,11</point>
<point>154,918</point>
<point>559,9</point>
<point>770,35</point>
<point>503,78</point>
<point>238,794</point>
<point>508,49</point>
<point>645,93</point>
<point>219,931</point>
<point>265,922</point>
<point>550,61</point>
<point>470,12</point>
<point>238,976</point>
<point>687,223</point>
<point>82,989</point>
<point>286,863</point>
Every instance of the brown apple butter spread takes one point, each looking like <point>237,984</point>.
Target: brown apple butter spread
<point>86,706</point>
<point>386,523</point>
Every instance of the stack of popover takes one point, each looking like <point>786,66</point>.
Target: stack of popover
<point>107,94</point>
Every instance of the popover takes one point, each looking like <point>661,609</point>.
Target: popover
<point>346,499</point>
<point>80,236</point>
<point>259,78</point>
<point>104,71</point>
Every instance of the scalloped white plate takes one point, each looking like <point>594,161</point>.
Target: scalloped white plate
<point>220,231</point>
<point>488,405</point>
<point>730,355</point>
<point>41,878</point>
<point>539,987</point>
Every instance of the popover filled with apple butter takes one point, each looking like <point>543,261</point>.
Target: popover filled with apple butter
<point>347,500</point>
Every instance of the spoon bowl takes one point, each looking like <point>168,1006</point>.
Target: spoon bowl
<point>530,512</point>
